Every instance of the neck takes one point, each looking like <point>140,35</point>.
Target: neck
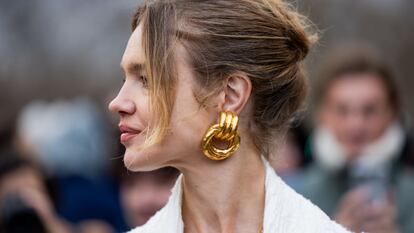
<point>224,196</point>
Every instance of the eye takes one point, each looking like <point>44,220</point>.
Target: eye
<point>143,80</point>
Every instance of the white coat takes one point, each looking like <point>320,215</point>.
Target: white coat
<point>285,211</point>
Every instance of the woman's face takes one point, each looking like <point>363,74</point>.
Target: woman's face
<point>188,120</point>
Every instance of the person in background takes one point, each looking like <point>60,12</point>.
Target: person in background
<point>289,159</point>
<point>362,171</point>
<point>144,193</point>
<point>63,138</point>
<point>25,203</point>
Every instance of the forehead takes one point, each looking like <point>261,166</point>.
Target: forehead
<point>358,89</point>
<point>134,53</point>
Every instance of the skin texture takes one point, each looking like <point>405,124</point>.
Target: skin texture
<point>357,110</point>
<point>239,205</point>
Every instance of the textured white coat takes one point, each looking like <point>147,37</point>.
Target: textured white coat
<point>285,212</point>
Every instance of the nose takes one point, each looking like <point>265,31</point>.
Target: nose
<point>356,120</point>
<point>122,105</point>
<point>356,124</point>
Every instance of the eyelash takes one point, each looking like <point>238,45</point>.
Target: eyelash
<point>143,80</point>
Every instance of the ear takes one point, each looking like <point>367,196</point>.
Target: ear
<point>235,94</point>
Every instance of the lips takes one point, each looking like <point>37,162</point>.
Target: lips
<point>127,133</point>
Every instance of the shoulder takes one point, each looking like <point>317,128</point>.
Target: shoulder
<point>288,211</point>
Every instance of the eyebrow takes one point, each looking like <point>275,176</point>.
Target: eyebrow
<point>132,67</point>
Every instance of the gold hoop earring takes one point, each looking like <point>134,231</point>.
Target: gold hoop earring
<point>225,130</point>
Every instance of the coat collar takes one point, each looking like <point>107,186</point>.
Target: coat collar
<point>285,211</point>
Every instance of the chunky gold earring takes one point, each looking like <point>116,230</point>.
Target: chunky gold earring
<point>225,130</point>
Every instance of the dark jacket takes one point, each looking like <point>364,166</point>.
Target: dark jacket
<point>326,188</point>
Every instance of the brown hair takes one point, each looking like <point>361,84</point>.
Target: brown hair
<point>349,61</point>
<point>264,39</point>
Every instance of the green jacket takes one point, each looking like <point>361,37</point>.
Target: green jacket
<point>325,189</point>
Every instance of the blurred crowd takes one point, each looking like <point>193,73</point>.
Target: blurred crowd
<point>61,171</point>
<point>355,158</point>
<point>61,166</point>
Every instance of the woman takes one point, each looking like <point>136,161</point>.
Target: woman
<point>209,87</point>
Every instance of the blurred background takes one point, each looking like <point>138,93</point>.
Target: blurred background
<point>60,67</point>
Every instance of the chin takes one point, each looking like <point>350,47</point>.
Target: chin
<point>149,159</point>
<point>141,161</point>
<point>354,151</point>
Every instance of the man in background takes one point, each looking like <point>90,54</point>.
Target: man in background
<point>362,174</point>
<point>144,193</point>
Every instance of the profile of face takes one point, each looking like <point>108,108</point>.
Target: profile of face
<point>357,110</point>
<point>197,69</point>
<point>144,193</point>
<point>188,120</point>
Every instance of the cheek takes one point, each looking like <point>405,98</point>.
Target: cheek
<point>378,125</point>
<point>329,118</point>
<point>189,122</point>
<point>143,111</point>
<point>187,127</point>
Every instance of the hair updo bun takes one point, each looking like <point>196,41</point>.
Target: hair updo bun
<point>265,39</point>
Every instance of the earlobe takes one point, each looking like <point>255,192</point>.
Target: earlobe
<point>236,93</point>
